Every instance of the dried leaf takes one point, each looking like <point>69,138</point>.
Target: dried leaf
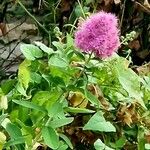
<point>117,2</point>
<point>77,99</point>
<point>135,44</point>
<point>127,114</point>
<point>146,4</point>
<point>3,28</point>
<point>147,137</point>
<point>108,2</point>
<point>65,5</point>
<point>143,70</point>
<point>127,118</point>
<point>96,91</point>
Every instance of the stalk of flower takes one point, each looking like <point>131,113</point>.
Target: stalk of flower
<point>98,34</point>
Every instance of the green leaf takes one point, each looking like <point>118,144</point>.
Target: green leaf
<point>44,48</point>
<point>78,110</point>
<point>56,123</point>
<point>30,105</point>
<point>24,73</point>
<point>31,52</point>
<point>46,98</point>
<point>8,85</point>
<point>13,142</point>
<point>91,98</point>
<point>2,139</point>
<point>147,146</point>
<point>99,145</point>
<point>70,41</point>
<point>21,90</point>
<point>51,138</point>
<point>129,80</point>
<point>62,146</point>
<point>67,140</point>
<point>12,129</point>
<point>80,55</point>
<point>56,110</point>
<point>121,142</point>
<point>56,60</point>
<point>58,45</point>
<point>2,117</point>
<point>98,123</point>
<point>35,77</point>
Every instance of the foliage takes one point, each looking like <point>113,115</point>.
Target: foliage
<point>64,99</point>
<point>48,14</point>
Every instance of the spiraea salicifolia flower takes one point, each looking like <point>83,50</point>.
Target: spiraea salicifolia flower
<point>98,34</point>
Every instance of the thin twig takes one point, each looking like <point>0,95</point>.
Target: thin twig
<point>81,9</point>
<point>123,10</point>
<point>38,23</point>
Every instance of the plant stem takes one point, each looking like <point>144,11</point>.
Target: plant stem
<point>81,9</point>
<point>123,10</point>
<point>38,23</point>
<point>86,62</point>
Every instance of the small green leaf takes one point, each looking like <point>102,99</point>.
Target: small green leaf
<point>147,146</point>
<point>79,54</point>
<point>35,77</point>
<point>78,110</point>
<point>98,123</point>
<point>2,117</point>
<point>56,60</point>
<point>99,145</point>
<point>12,129</point>
<point>3,102</point>
<point>67,140</point>
<point>51,138</point>
<point>56,123</point>
<point>58,45</point>
<point>91,98</point>
<point>121,142</point>
<point>70,41</point>
<point>30,105</point>
<point>24,74</point>
<point>21,89</point>
<point>8,85</point>
<point>2,138</point>
<point>13,142</point>
<point>56,110</point>
<point>44,48</point>
<point>31,52</point>
<point>62,146</point>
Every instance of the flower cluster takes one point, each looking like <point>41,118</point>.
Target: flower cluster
<point>98,34</point>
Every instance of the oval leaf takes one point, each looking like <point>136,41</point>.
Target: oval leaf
<point>30,105</point>
<point>51,138</point>
<point>31,52</point>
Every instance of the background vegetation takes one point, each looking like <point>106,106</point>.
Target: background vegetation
<point>58,98</point>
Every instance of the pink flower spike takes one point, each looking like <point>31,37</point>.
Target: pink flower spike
<point>98,34</point>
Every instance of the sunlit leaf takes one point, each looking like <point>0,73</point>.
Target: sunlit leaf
<point>56,123</point>
<point>99,145</point>
<point>44,48</point>
<point>56,60</point>
<point>67,140</point>
<point>78,110</point>
<point>31,52</point>
<point>24,74</point>
<point>50,136</point>
<point>98,123</point>
<point>30,105</point>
